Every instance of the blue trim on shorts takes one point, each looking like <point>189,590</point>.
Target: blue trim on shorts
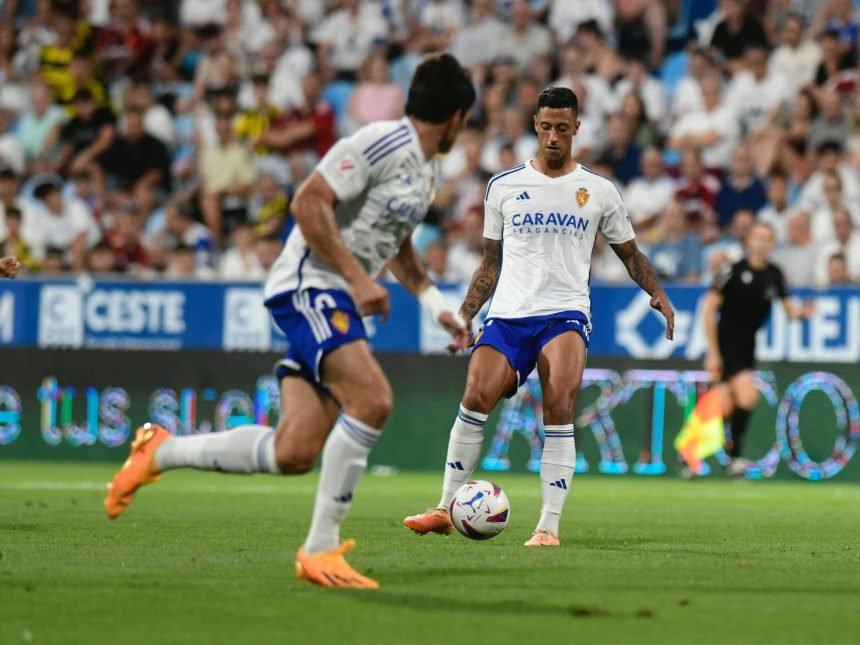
<point>315,322</point>
<point>520,340</point>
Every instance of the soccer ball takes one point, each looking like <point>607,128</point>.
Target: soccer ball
<point>480,510</point>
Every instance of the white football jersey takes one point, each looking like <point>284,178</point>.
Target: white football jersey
<point>384,187</point>
<point>548,227</point>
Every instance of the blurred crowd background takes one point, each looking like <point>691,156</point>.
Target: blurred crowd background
<point>165,138</point>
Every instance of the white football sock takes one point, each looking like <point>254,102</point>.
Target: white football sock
<point>464,449</point>
<point>556,472</point>
<point>243,449</point>
<point>344,460</point>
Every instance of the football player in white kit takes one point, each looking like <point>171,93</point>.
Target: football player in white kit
<point>354,217</point>
<point>540,224</point>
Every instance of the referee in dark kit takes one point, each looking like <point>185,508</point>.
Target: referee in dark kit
<point>736,306</point>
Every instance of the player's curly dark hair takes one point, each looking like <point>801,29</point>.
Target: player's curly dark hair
<point>440,87</point>
<point>558,97</point>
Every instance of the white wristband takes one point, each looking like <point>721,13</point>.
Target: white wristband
<point>433,301</point>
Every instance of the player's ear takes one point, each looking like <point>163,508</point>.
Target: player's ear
<point>576,126</point>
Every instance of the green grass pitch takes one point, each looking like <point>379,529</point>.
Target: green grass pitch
<point>208,558</point>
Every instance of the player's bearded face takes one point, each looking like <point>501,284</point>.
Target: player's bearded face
<point>556,128</point>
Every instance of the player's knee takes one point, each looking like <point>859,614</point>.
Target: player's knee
<point>295,459</point>
<point>374,406</point>
<point>558,413</point>
<point>477,400</point>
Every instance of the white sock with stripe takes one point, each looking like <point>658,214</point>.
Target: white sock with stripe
<point>556,472</point>
<point>344,460</point>
<point>464,450</point>
<point>243,449</point>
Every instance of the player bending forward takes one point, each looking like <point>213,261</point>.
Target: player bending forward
<point>541,221</point>
<point>355,214</point>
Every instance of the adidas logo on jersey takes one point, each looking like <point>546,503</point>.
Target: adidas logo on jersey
<point>522,196</point>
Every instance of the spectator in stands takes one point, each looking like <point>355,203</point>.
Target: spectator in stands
<point>125,240</point>
<point>460,189</point>
<point>251,124</point>
<point>464,254</point>
<point>696,190</point>
<point>836,17</point>
<point>86,138</point>
<point>267,248</point>
<point>621,154</point>
<point>837,271</point>
<point>348,35</point>
<point>797,57</point>
<point>438,21</point>
<point>140,163</point>
<point>100,259</point>
<point>832,123</point>
<point>756,94</point>
<point>565,16</point>
<point>39,128</point>
<point>648,90</point>
<point>834,60</point>
<point>776,211</point>
<point>600,99</point>
<point>797,258</point>
<point>55,261</point>
<point>81,76</point>
<point>688,93</point>
<point>157,119</point>
<point>63,223</point>
<point>648,195</point>
<point>9,197</point>
<point>436,261</point>
<point>182,265</point>
<point>524,39</point>
<point>11,150</point>
<point>479,40</point>
<point>240,262</point>
<point>227,176</point>
<point>12,243</point>
<point>375,97</point>
<point>513,133</point>
<point>738,29</point>
<point>678,255</point>
<point>713,131</point>
<point>180,224</point>
<point>729,248</point>
<point>645,132</point>
<point>123,47</point>
<point>834,201</point>
<point>846,244</point>
<point>269,206</point>
<point>303,135</point>
<point>742,189</point>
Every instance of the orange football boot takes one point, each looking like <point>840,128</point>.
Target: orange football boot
<point>435,520</point>
<point>138,469</point>
<point>330,569</point>
<point>542,537</point>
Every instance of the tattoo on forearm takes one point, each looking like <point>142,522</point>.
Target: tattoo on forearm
<point>643,273</point>
<point>484,280</point>
<point>638,266</point>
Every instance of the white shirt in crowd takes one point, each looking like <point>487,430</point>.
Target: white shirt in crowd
<point>721,120</point>
<point>236,265</point>
<point>688,98</point>
<point>651,92</point>
<point>798,65</point>
<point>753,99</point>
<point>351,40</point>
<point>645,198</point>
<point>851,251</point>
<point>566,15</point>
<point>778,220</point>
<point>42,228</point>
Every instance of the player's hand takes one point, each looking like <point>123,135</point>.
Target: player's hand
<point>460,329</point>
<point>9,267</point>
<point>371,298</point>
<point>660,302</point>
<point>714,365</point>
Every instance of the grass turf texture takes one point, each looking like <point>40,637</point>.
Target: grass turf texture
<point>202,557</point>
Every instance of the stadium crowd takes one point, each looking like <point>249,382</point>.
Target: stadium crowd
<point>161,138</point>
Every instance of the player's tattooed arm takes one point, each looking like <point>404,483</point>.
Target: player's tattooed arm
<point>484,280</point>
<point>643,274</point>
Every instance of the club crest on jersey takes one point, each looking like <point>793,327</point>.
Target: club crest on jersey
<point>340,321</point>
<point>346,164</point>
<point>582,196</point>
